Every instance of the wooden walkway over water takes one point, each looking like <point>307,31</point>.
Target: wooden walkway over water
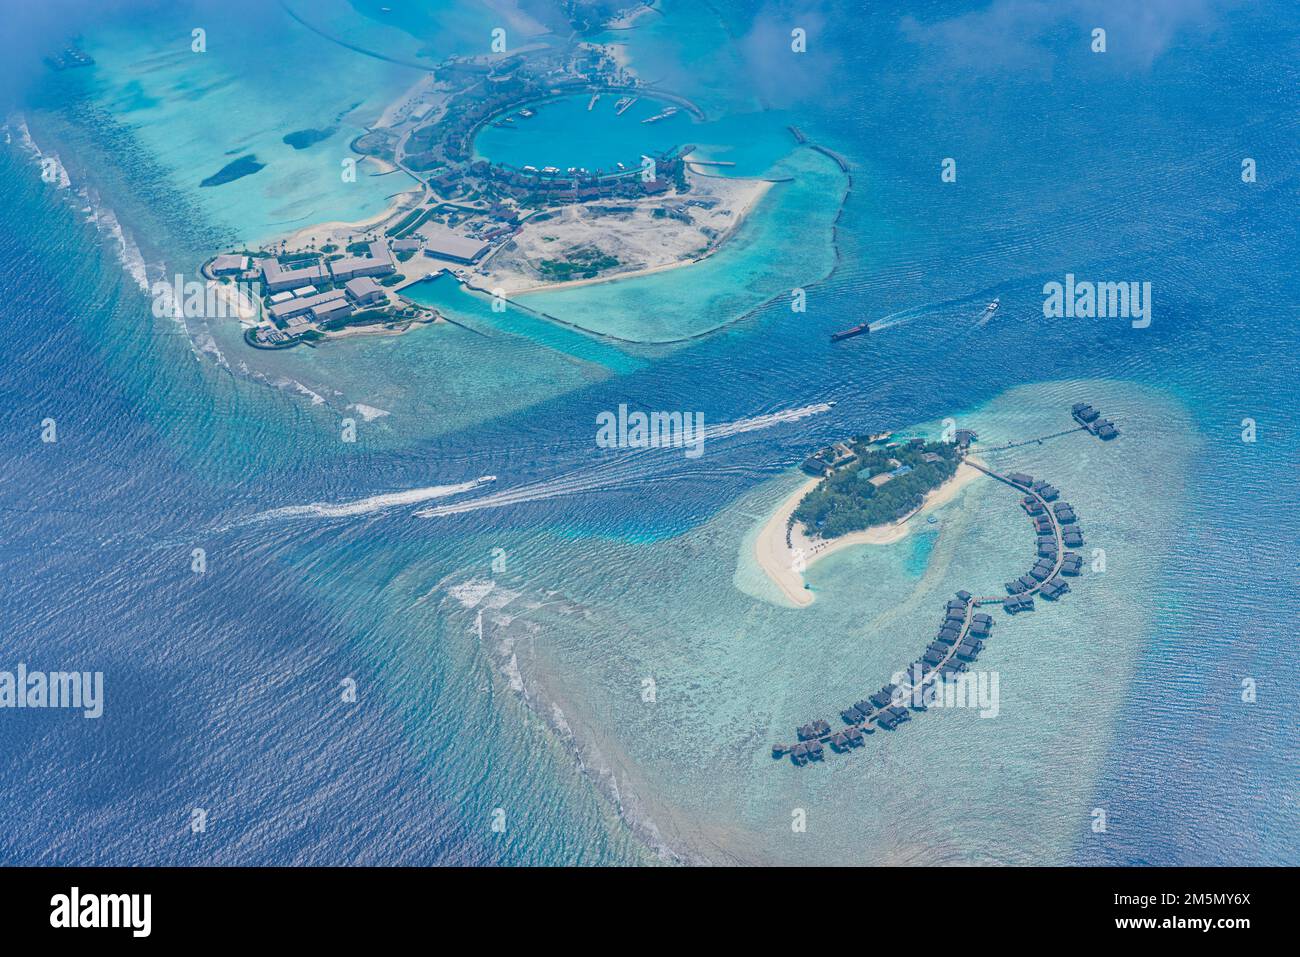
<point>908,696</point>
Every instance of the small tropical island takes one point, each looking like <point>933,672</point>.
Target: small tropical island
<point>866,490</point>
<point>879,484</point>
<point>500,228</point>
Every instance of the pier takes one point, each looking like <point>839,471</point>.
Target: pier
<point>965,629</point>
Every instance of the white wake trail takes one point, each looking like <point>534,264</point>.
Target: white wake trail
<point>624,472</point>
<point>372,503</point>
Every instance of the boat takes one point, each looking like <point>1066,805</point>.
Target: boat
<point>993,306</point>
<point>671,111</point>
<point>850,333</point>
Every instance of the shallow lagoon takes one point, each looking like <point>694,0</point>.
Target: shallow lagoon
<point>735,670</point>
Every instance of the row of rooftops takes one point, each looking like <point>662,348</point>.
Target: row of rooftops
<point>947,655</point>
<point>277,277</point>
<point>362,291</point>
<point>1090,418</point>
<point>957,644</point>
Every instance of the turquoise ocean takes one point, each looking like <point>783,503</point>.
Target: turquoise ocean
<point>500,592</point>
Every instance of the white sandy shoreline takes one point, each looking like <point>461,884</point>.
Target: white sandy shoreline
<point>784,563</point>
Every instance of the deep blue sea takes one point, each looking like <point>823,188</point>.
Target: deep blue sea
<point>224,689</point>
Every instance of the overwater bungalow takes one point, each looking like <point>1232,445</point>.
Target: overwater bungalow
<point>900,713</point>
<point>864,707</point>
<point>1043,525</point>
<point>969,652</point>
<point>1020,478</point>
<point>1014,588</point>
<point>1046,491</point>
<point>1083,413</point>
<point>1071,564</point>
<point>852,715</point>
<point>1066,516</point>
<point>964,597</point>
<point>1038,573</point>
<point>932,657</point>
<point>1054,589</point>
<point>814,750</point>
<point>1072,536</point>
<point>954,604</point>
<point>1107,431</point>
<point>882,697</point>
<point>799,754</point>
<point>853,736</point>
<point>1047,549</point>
<point>838,742</point>
<point>1031,505</point>
<point>1026,583</point>
<point>981,631</point>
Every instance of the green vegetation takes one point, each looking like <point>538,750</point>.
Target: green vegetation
<point>392,280</point>
<point>411,222</point>
<point>846,501</point>
<point>366,317</point>
<point>583,263</point>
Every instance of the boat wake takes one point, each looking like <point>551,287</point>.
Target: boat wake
<point>628,470</point>
<point>372,503</point>
<point>956,309</point>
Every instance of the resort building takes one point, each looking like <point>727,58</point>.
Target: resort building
<point>328,309</point>
<point>378,263</point>
<point>825,461</point>
<point>277,278</point>
<point>364,291</point>
<point>228,265</point>
<point>443,243</point>
<point>326,303</point>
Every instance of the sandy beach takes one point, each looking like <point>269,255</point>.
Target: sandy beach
<point>785,563</point>
<point>643,244</point>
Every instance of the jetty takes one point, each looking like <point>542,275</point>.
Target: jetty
<point>964,631</point>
